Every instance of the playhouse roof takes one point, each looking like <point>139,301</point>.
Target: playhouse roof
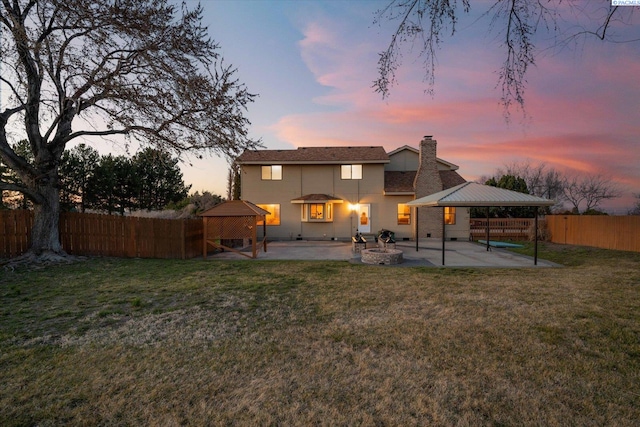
<point>235,208</point>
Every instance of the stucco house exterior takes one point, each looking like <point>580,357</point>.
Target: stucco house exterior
<point>334,192</point>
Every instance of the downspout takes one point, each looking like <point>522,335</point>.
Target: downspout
<point>301,194</point>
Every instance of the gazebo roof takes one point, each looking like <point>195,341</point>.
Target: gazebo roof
<point>472,194</point>
<point>235,208</point>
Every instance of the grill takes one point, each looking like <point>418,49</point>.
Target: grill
<point>386,239</point>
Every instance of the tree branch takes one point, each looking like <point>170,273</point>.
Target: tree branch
<point>31,195</point>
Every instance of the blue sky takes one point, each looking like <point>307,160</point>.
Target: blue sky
<point>312,63</point>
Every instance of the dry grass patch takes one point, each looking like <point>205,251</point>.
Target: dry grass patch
<point>326,343</point>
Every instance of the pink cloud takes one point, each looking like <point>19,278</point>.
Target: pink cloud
<point>581,109</point>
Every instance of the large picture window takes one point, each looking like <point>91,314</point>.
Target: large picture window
<point>272,173</point>
<point>351,171</point>
<point>404,214</point>
<point>449,215</point>
<point>274,213</point>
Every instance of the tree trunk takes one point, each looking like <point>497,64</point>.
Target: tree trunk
<point>45,236</point>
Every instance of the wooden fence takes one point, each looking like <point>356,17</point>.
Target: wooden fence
<point>501,228</point>
<point>107,235</point>
<point>609,232</point>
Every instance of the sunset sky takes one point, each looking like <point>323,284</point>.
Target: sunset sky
<point>312,63</point>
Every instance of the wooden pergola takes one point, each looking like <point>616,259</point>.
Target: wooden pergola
<point>232,220</point>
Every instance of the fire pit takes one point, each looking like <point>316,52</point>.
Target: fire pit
<point>381,256</point>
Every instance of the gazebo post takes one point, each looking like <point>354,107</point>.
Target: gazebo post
<point>488,248</point>
<point>264,232</point>
<point>443,208</point>
<point>254,237</point>
<point>535,245</point>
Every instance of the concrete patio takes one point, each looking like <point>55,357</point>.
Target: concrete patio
<point>457,254</point>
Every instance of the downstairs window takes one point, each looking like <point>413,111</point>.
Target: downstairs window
<point>274,213</point>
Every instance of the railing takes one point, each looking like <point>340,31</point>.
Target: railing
<point>107,235</point>
<point>501,228</point>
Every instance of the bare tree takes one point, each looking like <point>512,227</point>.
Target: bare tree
<point>583,192</point>
<point>425,23</point>
<point>145,69</point>
<point>588,191</point>
<point>541,180</point>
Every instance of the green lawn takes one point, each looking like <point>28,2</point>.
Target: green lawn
<point>152,342</point>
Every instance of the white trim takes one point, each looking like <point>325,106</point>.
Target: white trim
<point>404,147</point>
<point>399,193</point>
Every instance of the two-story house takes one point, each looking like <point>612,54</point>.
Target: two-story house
<point>334,192</point>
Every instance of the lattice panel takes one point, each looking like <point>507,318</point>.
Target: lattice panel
<point>238,227</point>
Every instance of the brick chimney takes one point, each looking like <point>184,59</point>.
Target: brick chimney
<point>427,182</point>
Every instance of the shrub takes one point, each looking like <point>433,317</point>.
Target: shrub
<point>543,232</point>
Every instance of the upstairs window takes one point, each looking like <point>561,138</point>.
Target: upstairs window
<point>272,173</point>
<point>351,171</point>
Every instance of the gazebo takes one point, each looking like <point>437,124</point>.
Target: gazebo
<point>235,219</point>
<point>472,194</point>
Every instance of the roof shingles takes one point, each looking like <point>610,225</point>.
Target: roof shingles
<point>402,182</point>
<point>316,155</point>
<point>399,181</point>
<point>235,208</point>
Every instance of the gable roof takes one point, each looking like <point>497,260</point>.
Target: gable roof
<point>235,208</point>
<point>472,194</point>
<point>404,147</point>
<point>451,166</point>
<point>415,151</point>
<point>315,155</point>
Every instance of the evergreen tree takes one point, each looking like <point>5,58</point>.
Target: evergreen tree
<point>508,182</point>
<point>157,179</point>
<point>77,167</point>
<point>111,188</point>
